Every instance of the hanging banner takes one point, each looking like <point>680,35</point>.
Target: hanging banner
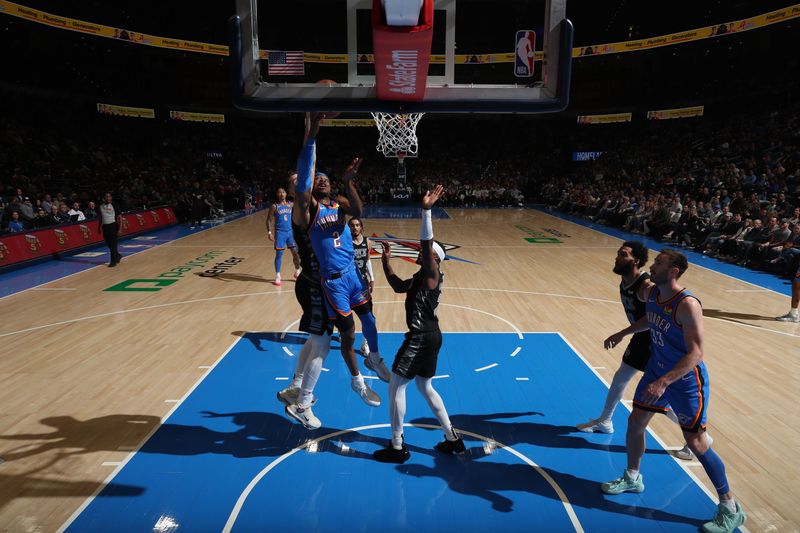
<point>681,112</point>
<point>99,30</point>
<point>347,122</point>
<point>125,111</point>
<point>605,119</point>
<point>190,116</point>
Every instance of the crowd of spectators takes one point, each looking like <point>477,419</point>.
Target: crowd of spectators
<point>730,189</point>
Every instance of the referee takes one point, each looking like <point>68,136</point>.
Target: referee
<point>109,224</point>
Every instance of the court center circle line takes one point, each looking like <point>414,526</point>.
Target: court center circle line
<point>237,508</point>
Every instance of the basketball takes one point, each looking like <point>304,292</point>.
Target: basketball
<point>328,114</point>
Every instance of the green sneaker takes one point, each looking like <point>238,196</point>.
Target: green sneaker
<point>725,521</point>
<point>623,484</point>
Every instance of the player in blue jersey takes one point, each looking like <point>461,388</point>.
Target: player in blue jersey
<point>344,288</point>
<point>676,378</point>
<point>281,211</point>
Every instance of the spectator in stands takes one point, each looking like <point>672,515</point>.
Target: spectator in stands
<point>41,219</point>
<point>46,203</point>
<point>91,211</point>
<point>75,214</point>
<point>15,224</point>
<point>26,210</point>
<point>62,215</point>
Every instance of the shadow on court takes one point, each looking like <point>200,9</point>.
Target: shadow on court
<point>735,317</point>
<point>70,437</point>
<point>488,479</point>
<point>297,339</point>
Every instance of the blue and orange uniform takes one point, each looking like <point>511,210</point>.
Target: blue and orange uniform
<point>283,226</point>
<point>343,285</point>
<point>688,396</point>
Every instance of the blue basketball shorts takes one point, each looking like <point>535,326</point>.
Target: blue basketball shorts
<point>687,397</point>
<point>344,291</point>
<point>283,240</point>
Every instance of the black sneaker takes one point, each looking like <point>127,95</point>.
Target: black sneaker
<point>390,455</point>
<point>451,447</point>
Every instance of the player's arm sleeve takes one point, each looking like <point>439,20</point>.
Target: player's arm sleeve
<point>428,262</point>
<point>305,166</point>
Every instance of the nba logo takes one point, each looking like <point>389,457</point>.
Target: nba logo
<point>155,217</point>
<point>526,50</point>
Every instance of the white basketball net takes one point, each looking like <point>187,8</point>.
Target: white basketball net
<point>397,133</point>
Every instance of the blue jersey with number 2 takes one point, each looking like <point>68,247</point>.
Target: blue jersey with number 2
<point>331,239</point>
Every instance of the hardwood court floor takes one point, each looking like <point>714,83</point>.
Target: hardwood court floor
<point>87,374</point>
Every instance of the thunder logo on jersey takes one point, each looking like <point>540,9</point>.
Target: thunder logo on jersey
<point>283,217</point>
<point>331,239</point>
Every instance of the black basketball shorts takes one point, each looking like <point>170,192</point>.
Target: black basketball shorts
<point>418,355</point>
<point>309,295</point>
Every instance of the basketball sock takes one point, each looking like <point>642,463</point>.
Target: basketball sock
<point>278,261</point>
<point>715,468</point>
<point>425,386</point>
<point>622,377</point>
<point>397,408</point>
<point>358,381</point>
<point>730,505</point>
<point>633,474</point>
<point>370,330</point>
<point>302,358</point>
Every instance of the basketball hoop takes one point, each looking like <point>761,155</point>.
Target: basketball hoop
<point>397,134</point>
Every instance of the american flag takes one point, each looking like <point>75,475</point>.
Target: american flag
<point>285,63</point>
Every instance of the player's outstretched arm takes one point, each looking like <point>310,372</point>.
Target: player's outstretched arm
<point>397,284</point>
<point>637,327</point>
<point>306,163</point>
<point>430,268</point>
<point>355,204</point>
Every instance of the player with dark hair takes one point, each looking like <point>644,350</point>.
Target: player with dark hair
<point>633,289</point>
<point>417,357</point>
<point>281,211</point>
<point>675,378</point>
<point>343,287</point>
<point>361,249</point>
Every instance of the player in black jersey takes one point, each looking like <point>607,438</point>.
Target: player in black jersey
<point>416,359</point>
<point>361,248</point>
<point>298,396</point>
<point>633,290</point>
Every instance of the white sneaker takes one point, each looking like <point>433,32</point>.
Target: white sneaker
<point>374,362</point>
<point>684,454</point>
<point>369,396</point>
<point>291,395</point>
<point>365,348</point>
<point>297,273</point>
<point>304,416</point>
<point>596,426</point>
<point>789,317</point>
